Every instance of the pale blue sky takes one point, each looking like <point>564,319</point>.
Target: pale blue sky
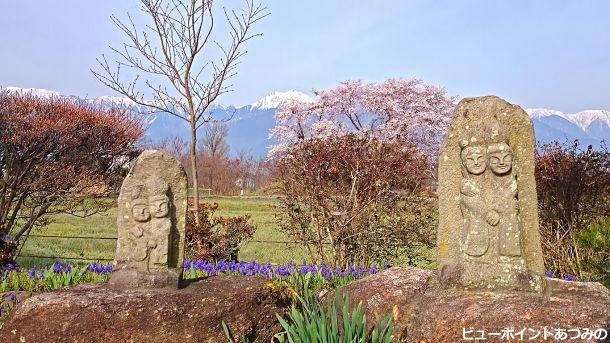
<point>553,54</point>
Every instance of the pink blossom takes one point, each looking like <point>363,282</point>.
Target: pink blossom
<point>406,109</point>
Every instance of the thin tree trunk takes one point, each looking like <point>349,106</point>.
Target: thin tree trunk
<point>193,156</point>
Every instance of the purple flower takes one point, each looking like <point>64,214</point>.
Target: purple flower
<point>550,273</point>
<point>570,278</point>
<point>12,296</point>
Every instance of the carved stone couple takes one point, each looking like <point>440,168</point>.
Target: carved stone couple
<point>152,225</point>
<point>488,235</point>
<point>488,199</point>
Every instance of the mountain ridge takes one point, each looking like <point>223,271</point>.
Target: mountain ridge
<point>249,124</point>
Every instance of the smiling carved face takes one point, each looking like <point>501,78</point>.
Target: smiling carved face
<point>473,158</point>
<point>159,206</point>
<point>140,211</point>
<point>500,158</point>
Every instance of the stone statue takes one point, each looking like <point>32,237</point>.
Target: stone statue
<point>472,201</point>
<point>504,186</point>
<point>161,225</point>
<point>488,227</point>
<point>151,223</point>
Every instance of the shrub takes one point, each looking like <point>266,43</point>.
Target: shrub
<point>595,241</point>
<point>356,200</point>
<point>216,238</point>
<point>58,156</point>
<point>573,187</point>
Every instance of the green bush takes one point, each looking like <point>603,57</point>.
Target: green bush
<point>596,241</point>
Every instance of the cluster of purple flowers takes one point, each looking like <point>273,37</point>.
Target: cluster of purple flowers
<point>99,268</point>
<point>4,308</point>
<point>272,271</point>
<point>59,268</point>
<point>67,267</point>
<point>8,268</point>
<point>569,277</point>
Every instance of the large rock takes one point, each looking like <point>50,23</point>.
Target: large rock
<point>425,312</point>
<point>96,313</point>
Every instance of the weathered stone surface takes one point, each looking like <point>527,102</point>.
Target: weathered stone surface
<point>389,293</point>
<point>94,313</point>
<point>151,222</point>
<point>134,279</point>
<point>488,236</point>
<point>423,311</point>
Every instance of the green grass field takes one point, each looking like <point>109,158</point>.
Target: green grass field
<point>104,225</point>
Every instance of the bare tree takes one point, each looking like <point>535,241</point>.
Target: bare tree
<point>214,140</point>
<point>174,145</point>
<point>215,148</point>
<point>172,48</point>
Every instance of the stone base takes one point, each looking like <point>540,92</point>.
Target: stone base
<point>500,276</point>
<point>129,278</point>
<point>423,311</point>
<point>507,274</point>
<point>96,313</point>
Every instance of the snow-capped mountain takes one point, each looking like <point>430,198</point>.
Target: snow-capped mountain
<point>249,125</point>
<point>43,93</point>
<point>589,127</point>
<point>277,99</point>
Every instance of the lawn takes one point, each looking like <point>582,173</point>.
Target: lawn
<point>261,209</point>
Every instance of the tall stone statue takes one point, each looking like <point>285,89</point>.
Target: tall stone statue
<point>488,236</point>
<point>151,223</point>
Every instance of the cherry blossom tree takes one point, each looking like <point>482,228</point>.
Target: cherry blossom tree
<point>396,109</point>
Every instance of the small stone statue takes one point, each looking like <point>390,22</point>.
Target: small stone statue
<point>488,227</point>
<point>151,223</point>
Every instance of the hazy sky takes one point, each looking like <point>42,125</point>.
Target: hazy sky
<point>553,54</point>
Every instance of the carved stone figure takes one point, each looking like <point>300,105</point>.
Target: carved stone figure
<point>504,186</point>
<point>151,223</point>
<point>488,234</point>
<point>476,233</point>
<point>161,225</point>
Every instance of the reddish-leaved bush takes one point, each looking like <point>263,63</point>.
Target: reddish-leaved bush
<point>58,156</point>
<point>216,238</point>
<point>573,185</point>
<point>354,199</point>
